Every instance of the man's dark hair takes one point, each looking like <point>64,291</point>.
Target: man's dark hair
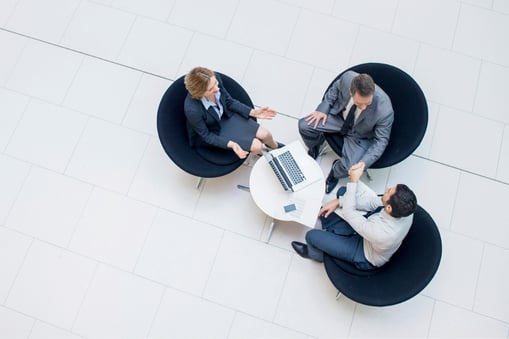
<point>362,84</point>
<point>402,201</point>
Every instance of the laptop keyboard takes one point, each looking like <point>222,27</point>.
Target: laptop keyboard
<point>279,176</point>
<point>294,171</point>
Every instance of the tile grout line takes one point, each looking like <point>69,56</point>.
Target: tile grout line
<point>127,35</point>
<point>85,54</point>
<point>234,318</point>
<point>453,208</point>
<point>231,21</point>
<point>462,170</point>
<point>30,99</point>
<point>204,288</point>
<point>71,18</point>
<point>16,199</point>
<point>162,77</point>
<point>11,71</point>
<point>455,31</point>
<point>80,216</point>
<point>501,149</point>
<point>98,263</point>
<point>431,317</point>
<point>147,235</point>
<point>466,309</point>
<point>71,156</point>
<point>22,264</point>
<point>66,94</point>
<point>236,311</point>
<point>158,308</point>
<point>281,292</point>
<point>479,269</point>
<point>85,294</point>
<point>131,100</point>
<point>279,113</point>
<point>354,314</point>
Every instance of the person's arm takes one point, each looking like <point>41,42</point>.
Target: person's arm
<point>196,119</point>
<point>330,98</point>
<point>319,115</point>
<point>262,113</point>
<point>382,132</point>
<point>354,217</point>
<point>366,199</point>
<point>329,207</point>
<point>232,104</point>
<point>334,100</point>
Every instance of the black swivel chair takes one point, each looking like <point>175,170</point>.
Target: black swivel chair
<point>203,162</point>
<point>408,271</point>
<point>410,112</point>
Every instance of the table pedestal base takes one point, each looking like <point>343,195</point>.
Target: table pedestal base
<point>271,228</point>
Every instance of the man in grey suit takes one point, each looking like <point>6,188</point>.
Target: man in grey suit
<point>361,115</point>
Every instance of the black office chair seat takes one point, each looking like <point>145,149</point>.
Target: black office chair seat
<point>203,162</point>
<point>410,112</point>
<point>406,274</point>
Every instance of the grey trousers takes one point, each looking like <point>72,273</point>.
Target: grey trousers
<point>352,151</point>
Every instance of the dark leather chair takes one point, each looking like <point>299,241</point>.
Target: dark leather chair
<point>203,162</point>
<point>410,112</point>
<point>408,271</point>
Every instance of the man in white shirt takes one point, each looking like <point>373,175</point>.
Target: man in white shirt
<point>367,241</point>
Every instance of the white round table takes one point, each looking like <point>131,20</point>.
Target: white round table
<point>270,197</point>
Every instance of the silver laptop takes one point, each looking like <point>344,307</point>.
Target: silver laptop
<point>289,166</point>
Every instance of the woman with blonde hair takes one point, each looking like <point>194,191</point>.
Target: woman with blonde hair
<point>216,119</point>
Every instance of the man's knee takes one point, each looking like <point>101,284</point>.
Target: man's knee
<point>304,128</point>
<point>312,235</point>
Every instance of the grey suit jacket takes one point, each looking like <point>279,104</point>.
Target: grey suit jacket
<point>372,128</point>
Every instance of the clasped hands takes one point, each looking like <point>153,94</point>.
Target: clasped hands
<point>355,172</point>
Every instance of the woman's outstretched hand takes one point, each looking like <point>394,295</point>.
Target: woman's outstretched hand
<point>263,113</point>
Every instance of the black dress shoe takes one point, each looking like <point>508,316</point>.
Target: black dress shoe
<point>301,249</point>
<point>313,152</point>
<point>331,181</point>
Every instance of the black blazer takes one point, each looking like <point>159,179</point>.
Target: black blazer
<point>205,124</point>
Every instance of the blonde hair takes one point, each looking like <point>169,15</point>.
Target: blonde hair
<point>197,81</point>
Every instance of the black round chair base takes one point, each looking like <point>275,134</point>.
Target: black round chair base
<point>410,112</point>
<point>218,156</point>
<point>407,273</point>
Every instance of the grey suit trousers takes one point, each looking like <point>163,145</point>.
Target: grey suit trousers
<point>352,151</point>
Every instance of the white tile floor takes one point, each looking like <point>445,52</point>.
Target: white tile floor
<point>101,235</point>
